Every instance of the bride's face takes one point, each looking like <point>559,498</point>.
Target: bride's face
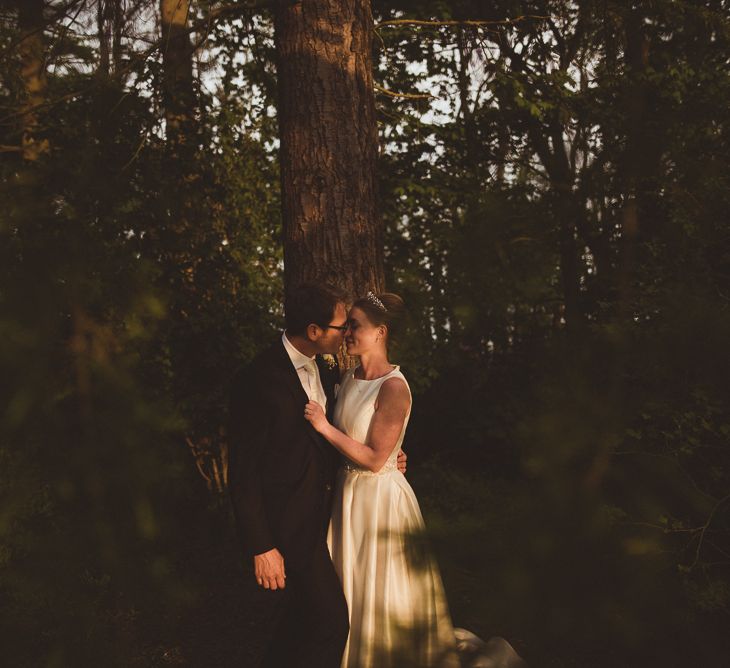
<point>362,335</point>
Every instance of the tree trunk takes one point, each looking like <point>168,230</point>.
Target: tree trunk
<point>180,240</point>
<point>117,28</point>
<point>471,137</point>
<point>177,63</point>
<point>102,30</point>
<point>329,144</point>
<point>33,77</point>
<point>636,161</point>
<point>176,229</point>
<point>568,211</point>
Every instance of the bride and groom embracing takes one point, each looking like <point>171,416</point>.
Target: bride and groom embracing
<point>325,514</point>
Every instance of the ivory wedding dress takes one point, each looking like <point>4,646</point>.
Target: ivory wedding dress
<point>398,610</point>
<point>399,616</point>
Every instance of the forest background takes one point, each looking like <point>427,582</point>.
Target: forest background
<point>552,203</point>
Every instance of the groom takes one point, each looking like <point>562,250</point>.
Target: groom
<point>281,476</point>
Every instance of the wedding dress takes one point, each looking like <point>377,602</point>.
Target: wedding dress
<point>399,616</point>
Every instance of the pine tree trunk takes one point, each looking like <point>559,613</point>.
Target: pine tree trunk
<point>636,158</point>
<point>329,144</point>
<point>102,31</point>
<point>177,61</point>
<point>175,232</point>
<point>33,77</point>
<point>182,230</point>
<point>117,28</point>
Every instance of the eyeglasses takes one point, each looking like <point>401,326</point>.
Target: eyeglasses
<point>342,328</point>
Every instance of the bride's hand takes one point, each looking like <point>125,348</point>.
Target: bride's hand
<point>314,413</point>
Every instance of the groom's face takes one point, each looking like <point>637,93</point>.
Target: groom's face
<point>330,340</point>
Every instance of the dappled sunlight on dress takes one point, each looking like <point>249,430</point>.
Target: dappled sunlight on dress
<point>398,610</point>
<point>399,616</point>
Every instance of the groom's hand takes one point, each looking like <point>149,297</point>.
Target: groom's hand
<point>402,456</point>
<point>269,570</point>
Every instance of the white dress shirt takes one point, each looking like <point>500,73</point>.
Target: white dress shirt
<point>308,373</point>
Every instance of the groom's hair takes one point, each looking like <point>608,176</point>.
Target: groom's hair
<point>311,303</point>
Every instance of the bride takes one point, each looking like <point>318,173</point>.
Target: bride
<point>398,610</point>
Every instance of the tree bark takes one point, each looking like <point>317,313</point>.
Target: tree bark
<point>637,156</point>
<point>329,144</point>
<point>33,77</point>
<point>102,31</point>
<point>471,137</point>
<point>117,28</point>
<point>179,105</point>
<point>566,211</point>
<point>180,237</point>
<point>177,63</point>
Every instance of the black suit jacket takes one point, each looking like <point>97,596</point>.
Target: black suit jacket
<point>281,471</point>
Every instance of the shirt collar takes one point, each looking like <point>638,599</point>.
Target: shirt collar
<point>297,358</point>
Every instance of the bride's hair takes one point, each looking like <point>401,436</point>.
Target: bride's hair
<point>385,308</point>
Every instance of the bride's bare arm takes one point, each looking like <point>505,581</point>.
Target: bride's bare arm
<point>391,409</point>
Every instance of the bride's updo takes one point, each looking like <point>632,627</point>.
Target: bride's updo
<point>385,308</point>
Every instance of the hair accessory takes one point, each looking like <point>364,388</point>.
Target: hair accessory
<point>373,299</point>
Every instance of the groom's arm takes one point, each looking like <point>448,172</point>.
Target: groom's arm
<point>249,420</point>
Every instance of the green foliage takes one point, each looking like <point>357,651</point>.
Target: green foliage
<point>601,434</point>
<point>570,427</point>
<point>132,286</point>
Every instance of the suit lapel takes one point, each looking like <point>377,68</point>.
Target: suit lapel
<point>326,375</point>
<point>292,382</point>
<point>294,387</point>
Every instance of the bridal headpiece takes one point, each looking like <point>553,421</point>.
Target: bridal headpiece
<point>373,299</point>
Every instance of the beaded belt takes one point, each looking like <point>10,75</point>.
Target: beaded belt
<point>388,467</point>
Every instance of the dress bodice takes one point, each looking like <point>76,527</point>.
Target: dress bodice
<point>354,411</point>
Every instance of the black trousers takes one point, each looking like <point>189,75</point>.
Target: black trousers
<point>304,625</point>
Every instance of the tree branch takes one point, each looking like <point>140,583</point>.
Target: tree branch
<point>410,96</point>
<point>703,530</point>
<point>466,23</point>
